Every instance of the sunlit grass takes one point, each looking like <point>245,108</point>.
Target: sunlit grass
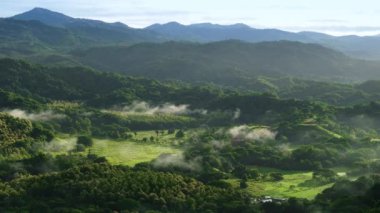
<point>289,187</point>
<point>123,152</point>
<point>129,153</point>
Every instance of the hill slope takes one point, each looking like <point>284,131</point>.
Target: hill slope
<point>100,33</point>
<point>356,46</point>
<point>28,37</point>
<point>41,31</point>
<point>230,63</point>
<point>207,32</point>
<point>93,30</point>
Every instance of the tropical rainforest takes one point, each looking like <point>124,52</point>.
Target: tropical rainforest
<point>100,117</point>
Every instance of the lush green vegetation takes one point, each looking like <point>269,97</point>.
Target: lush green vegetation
<point>116,188</point>
<point>231,63</point>
<point>130,153</point>
<point>83,33</point>
<point>291,186</point>
<point>137,144</point>
<point>230,127</point>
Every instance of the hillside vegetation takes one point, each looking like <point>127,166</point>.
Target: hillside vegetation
<point>103,117</point>
<point>232,63</point>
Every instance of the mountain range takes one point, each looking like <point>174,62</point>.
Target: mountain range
<point>233,55</point>
<point>230,63</point>
<point>98,32</point>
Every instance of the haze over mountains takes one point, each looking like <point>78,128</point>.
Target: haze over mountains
<point>361,47</point>
<point>175,118</point>
<point>231,63</point>
<point>234,55</point>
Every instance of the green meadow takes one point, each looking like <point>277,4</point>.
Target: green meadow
<point>286,188</point>
<point>128,152</point>
<point>143,147</point>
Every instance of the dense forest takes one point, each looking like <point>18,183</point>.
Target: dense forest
<point>225,135</point>
<point>103,117</point>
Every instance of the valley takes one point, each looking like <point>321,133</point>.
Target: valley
<point>104,117</point>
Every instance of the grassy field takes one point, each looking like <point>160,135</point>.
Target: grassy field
<point>129,153</point>
<point>285,188</point>
<point>125,152</point>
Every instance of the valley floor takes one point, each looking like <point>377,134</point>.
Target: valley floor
<point>286,188</point>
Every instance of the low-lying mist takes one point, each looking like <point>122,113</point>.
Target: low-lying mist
<point>247,133</point>
<point>60,145</point>
<point>40,116</point>
<point>144,108</point>
<point>177,160</point>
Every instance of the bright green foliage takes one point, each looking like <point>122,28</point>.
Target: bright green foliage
<point>116,187</point>
<point>130,153</point>
<point>12,129</point>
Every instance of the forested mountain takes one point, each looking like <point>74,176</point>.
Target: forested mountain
<point>355,46</point>
<point>229,62</point>
<point>29,37</point>
<point>207,32</point>
<point>102,117</point>
<point>84,84</point>
<point>42,31</point>
<point>96,88</point>
<point>93,32</point>
<point>221,133</point>
<point>56,19</point>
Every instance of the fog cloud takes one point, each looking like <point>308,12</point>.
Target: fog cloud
<point>60,145</point>
<point>237,114</point>
<point>41,116</point>
<point>177,160</point>
<point>246,133</point>
<point>141,107</point>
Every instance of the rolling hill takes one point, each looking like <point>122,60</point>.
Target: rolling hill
<point>94,32</point>
<point>366,47</point>
<point>41,31</point>
<point>207,32</point>
<point>29,37</point>
<point>230,63</point>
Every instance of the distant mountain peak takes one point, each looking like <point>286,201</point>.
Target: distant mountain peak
<point>173,24</point>
<point>170,25</point>
<point>57,19</point>
<point>40,9</point>
<point>240,25</point>
<point>45,16</point>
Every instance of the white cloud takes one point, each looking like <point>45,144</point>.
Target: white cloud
<point>246,133</point>
<point>142,107</point>
<point>40,116</point>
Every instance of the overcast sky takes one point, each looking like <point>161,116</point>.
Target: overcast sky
<point>338,17</point>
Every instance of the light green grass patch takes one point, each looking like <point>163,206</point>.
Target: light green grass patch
<point>286,188</point>
<point>129,153</point>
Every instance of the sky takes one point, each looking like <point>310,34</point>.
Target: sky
<point>336,17</point>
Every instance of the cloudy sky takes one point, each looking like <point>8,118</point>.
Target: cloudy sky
<point>338,17</point>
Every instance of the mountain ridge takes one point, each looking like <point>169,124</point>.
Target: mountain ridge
<point>225,60</point>
<point>360,47</point>
<point>57,19</point>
